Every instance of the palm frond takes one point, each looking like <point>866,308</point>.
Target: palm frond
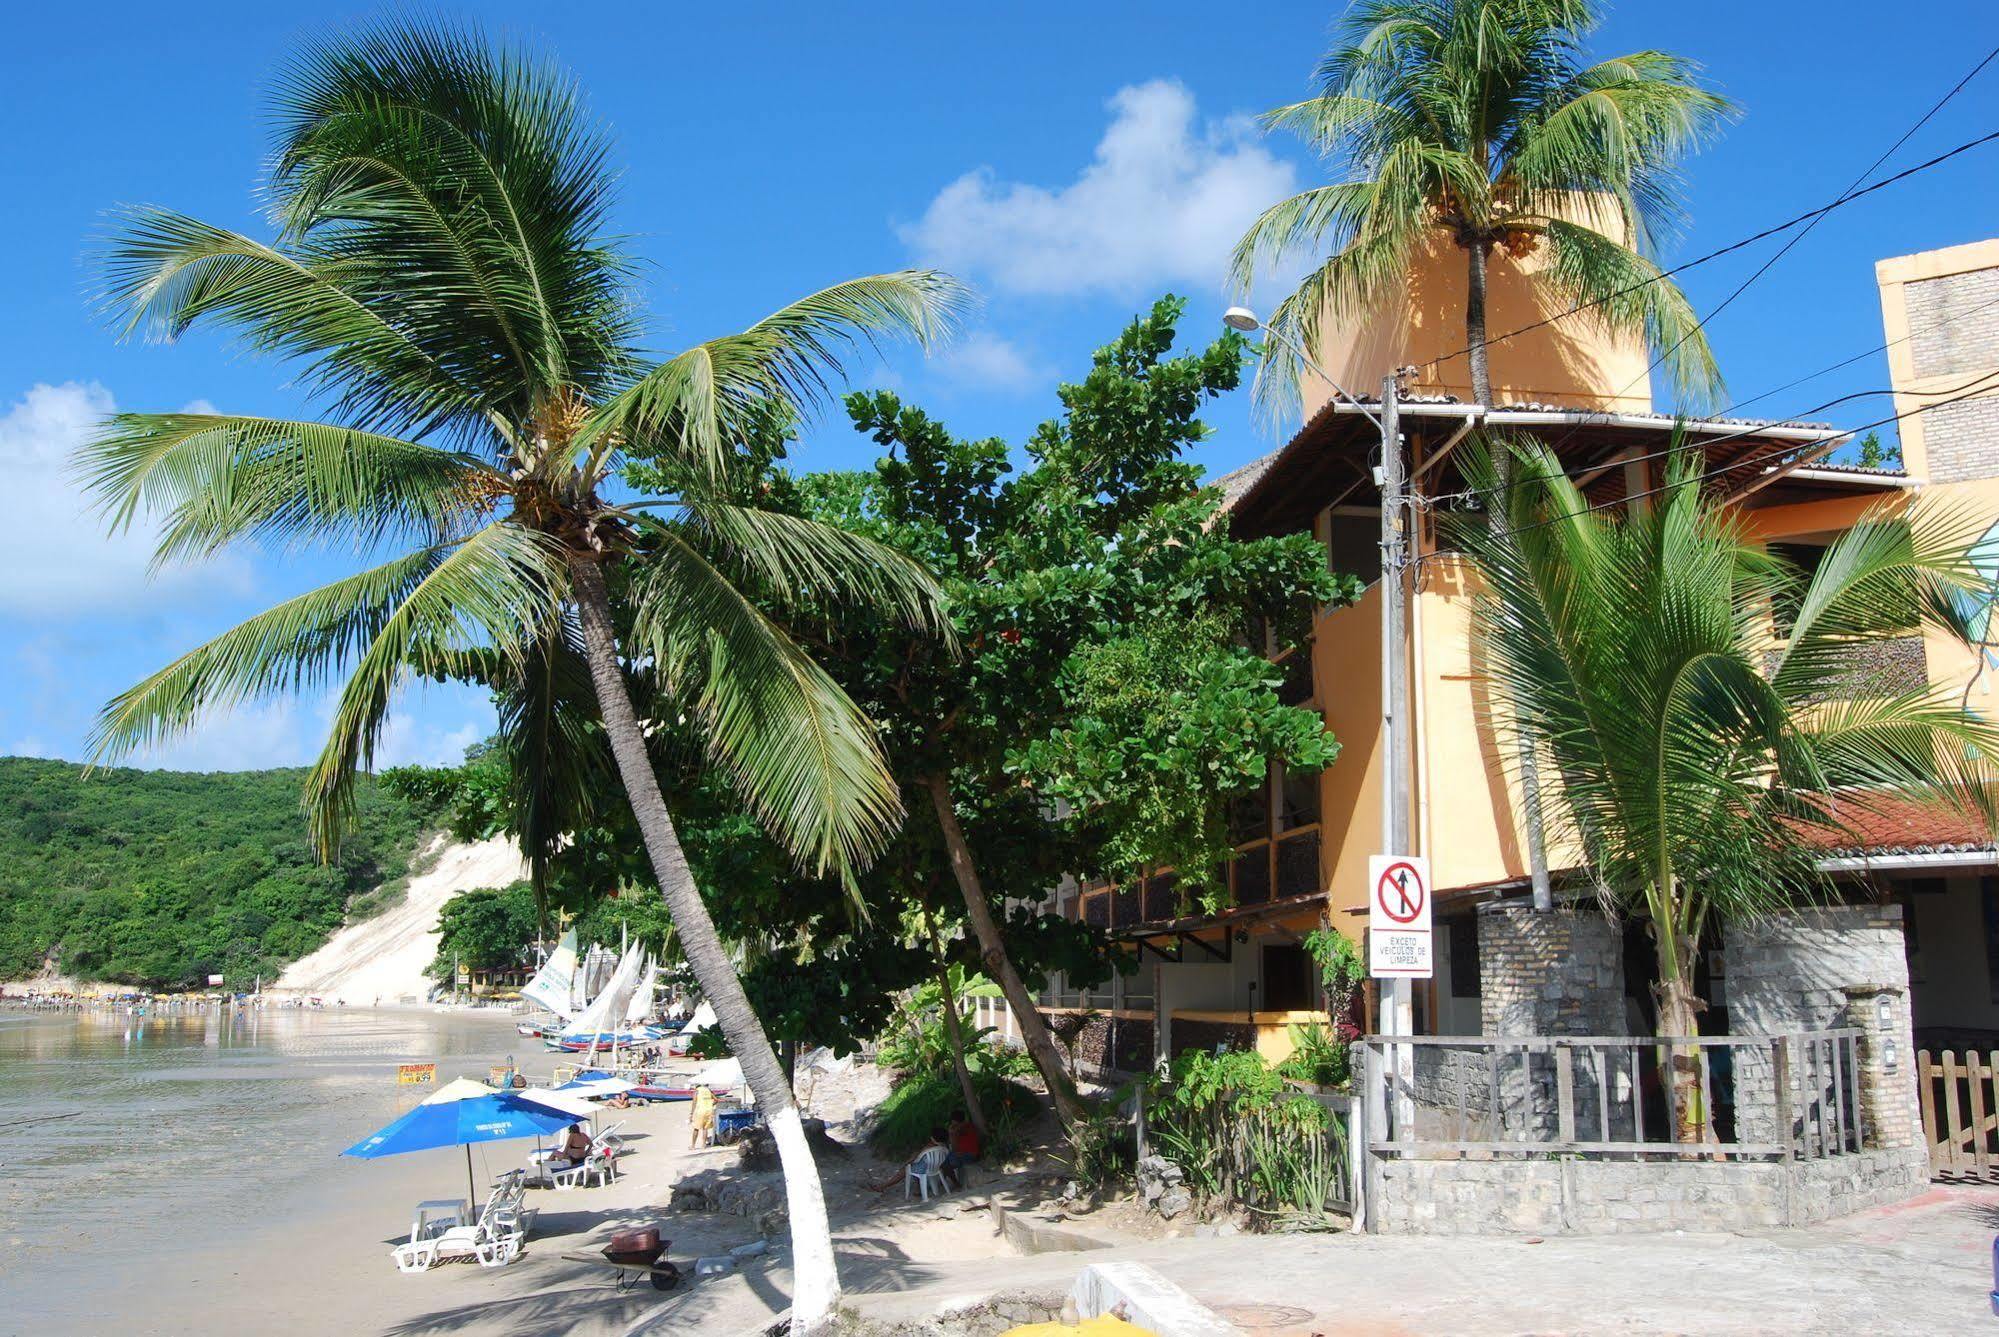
<point>500,589</point>
<point>800,752</point>
<point>699,405</point>
<point>1624,292</point>
<point>421,147</point>
<point>217,478</point>
<point>162,272</point>
<point>800,562</point>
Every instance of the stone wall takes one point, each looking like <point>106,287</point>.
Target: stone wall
<point>1105,1045</point>
<point>1206,1036</point>
<point>1821,969</point>
<point>1543,972</point>
<point>1576,1196</point>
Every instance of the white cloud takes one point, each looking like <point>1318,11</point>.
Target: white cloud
<point>1164,200</point>
<point>63,562</point>
<point>431,726</point>
<point>985,361</point>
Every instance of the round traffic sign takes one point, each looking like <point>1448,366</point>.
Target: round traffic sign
<point>1400,892</point>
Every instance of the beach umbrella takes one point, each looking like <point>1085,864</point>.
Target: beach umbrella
<point>597,1086</point>
<point>576,1104</point>
<point>459,1114</point>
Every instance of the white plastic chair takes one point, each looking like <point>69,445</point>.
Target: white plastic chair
<point>601,1165</point>
<point>494,1241</point>
<point>923,1170</point>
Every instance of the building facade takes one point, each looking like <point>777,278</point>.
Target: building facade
<point>1242,976</point>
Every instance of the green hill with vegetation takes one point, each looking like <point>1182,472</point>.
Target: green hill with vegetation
<point>161,878</point>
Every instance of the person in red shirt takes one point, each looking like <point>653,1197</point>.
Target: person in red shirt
<point>962,1137</point>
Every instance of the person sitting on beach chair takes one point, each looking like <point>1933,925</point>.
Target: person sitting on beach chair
<point>571,1150</point>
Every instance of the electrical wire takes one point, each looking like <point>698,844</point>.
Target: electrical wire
<point>1805,231</point>
<point>1729,249</point>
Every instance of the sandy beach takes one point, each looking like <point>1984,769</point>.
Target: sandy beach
<point>298,1239</point>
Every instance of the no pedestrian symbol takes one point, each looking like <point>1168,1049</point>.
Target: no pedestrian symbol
<point>1398,921</point>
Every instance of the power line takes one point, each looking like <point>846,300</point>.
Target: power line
<point>1729,249</point>
<point>1804,232</point>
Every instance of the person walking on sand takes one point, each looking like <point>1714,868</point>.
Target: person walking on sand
<point>701,1126</point>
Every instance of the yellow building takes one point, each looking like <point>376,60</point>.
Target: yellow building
<point>1242,977</point>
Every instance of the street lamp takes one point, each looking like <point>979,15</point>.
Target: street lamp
<point>1244,321</point>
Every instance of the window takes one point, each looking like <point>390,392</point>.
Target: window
<point>1298,795</point>
<point>1287,978</point>
<point>1463,932</point>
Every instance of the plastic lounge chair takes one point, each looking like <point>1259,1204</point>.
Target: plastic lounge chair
<point>601,1165</point>
<point>494,1241</point>
<point>923,1171</point>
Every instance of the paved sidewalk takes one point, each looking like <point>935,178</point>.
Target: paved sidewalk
<point>1922,1267</point>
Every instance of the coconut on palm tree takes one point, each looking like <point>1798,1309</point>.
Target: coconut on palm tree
<point>441,280</point>
<point>1704,702</point>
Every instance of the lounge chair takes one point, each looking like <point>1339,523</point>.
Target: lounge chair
<point>926,1169</point>
<point>601,1165</point>
<point>494,1240</point>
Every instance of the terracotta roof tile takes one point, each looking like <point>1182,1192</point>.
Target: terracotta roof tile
<point>1882,825</point>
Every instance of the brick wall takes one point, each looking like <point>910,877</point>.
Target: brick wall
<point>1549,972</point>
<point>1543,972</point>
<point>1962,439</point>
<point>1954,322</point>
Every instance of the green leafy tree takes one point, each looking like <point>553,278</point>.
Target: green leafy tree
<point>1062,572</point>
<point>158,879</point>
<point>1165,725</point>
<point>442,281</point>
<point>1699,743</point>
<point>1481,124</point>
<point>484,928</point>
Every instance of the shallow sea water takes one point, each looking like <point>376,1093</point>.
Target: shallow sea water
<point>185,1128</point>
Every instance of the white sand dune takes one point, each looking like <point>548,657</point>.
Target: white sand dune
<point>382,959</point>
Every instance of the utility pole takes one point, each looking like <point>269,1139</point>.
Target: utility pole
<point>1397,1013</point>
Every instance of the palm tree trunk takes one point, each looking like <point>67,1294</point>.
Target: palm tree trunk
<point>992,953</point>
<point>954,1035</point>
<point>816,1280</point>
<point>1481,388</point>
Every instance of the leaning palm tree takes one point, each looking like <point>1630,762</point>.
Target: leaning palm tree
<point>1479,124</point>
<point>1702,701</point>
<point>441,280</point>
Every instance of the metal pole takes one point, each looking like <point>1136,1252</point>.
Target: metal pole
<point>1398,1013</point>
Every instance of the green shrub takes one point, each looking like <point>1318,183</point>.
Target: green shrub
<point>923,1101</point>
<point>708,1042</point>
<point>1317,1057</point>
<point>1243,1138</point>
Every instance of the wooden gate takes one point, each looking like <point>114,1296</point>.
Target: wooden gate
<point>1960,1101</point>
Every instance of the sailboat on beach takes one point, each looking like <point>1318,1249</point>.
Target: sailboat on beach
<point>610,1022</point>
<point>554,987</point>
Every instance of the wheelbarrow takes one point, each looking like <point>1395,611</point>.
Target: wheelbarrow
<point>635,1254</point>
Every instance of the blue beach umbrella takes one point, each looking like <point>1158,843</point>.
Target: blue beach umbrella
<point>458,1115</point>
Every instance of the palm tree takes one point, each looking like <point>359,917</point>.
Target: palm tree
<point>441,280</point>
<point>1698,696</point>
<point>1478,124</point>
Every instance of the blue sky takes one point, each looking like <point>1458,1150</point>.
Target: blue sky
<point>1072,161</point>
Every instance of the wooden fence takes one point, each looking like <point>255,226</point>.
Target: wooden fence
<point>1960,1102</point>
